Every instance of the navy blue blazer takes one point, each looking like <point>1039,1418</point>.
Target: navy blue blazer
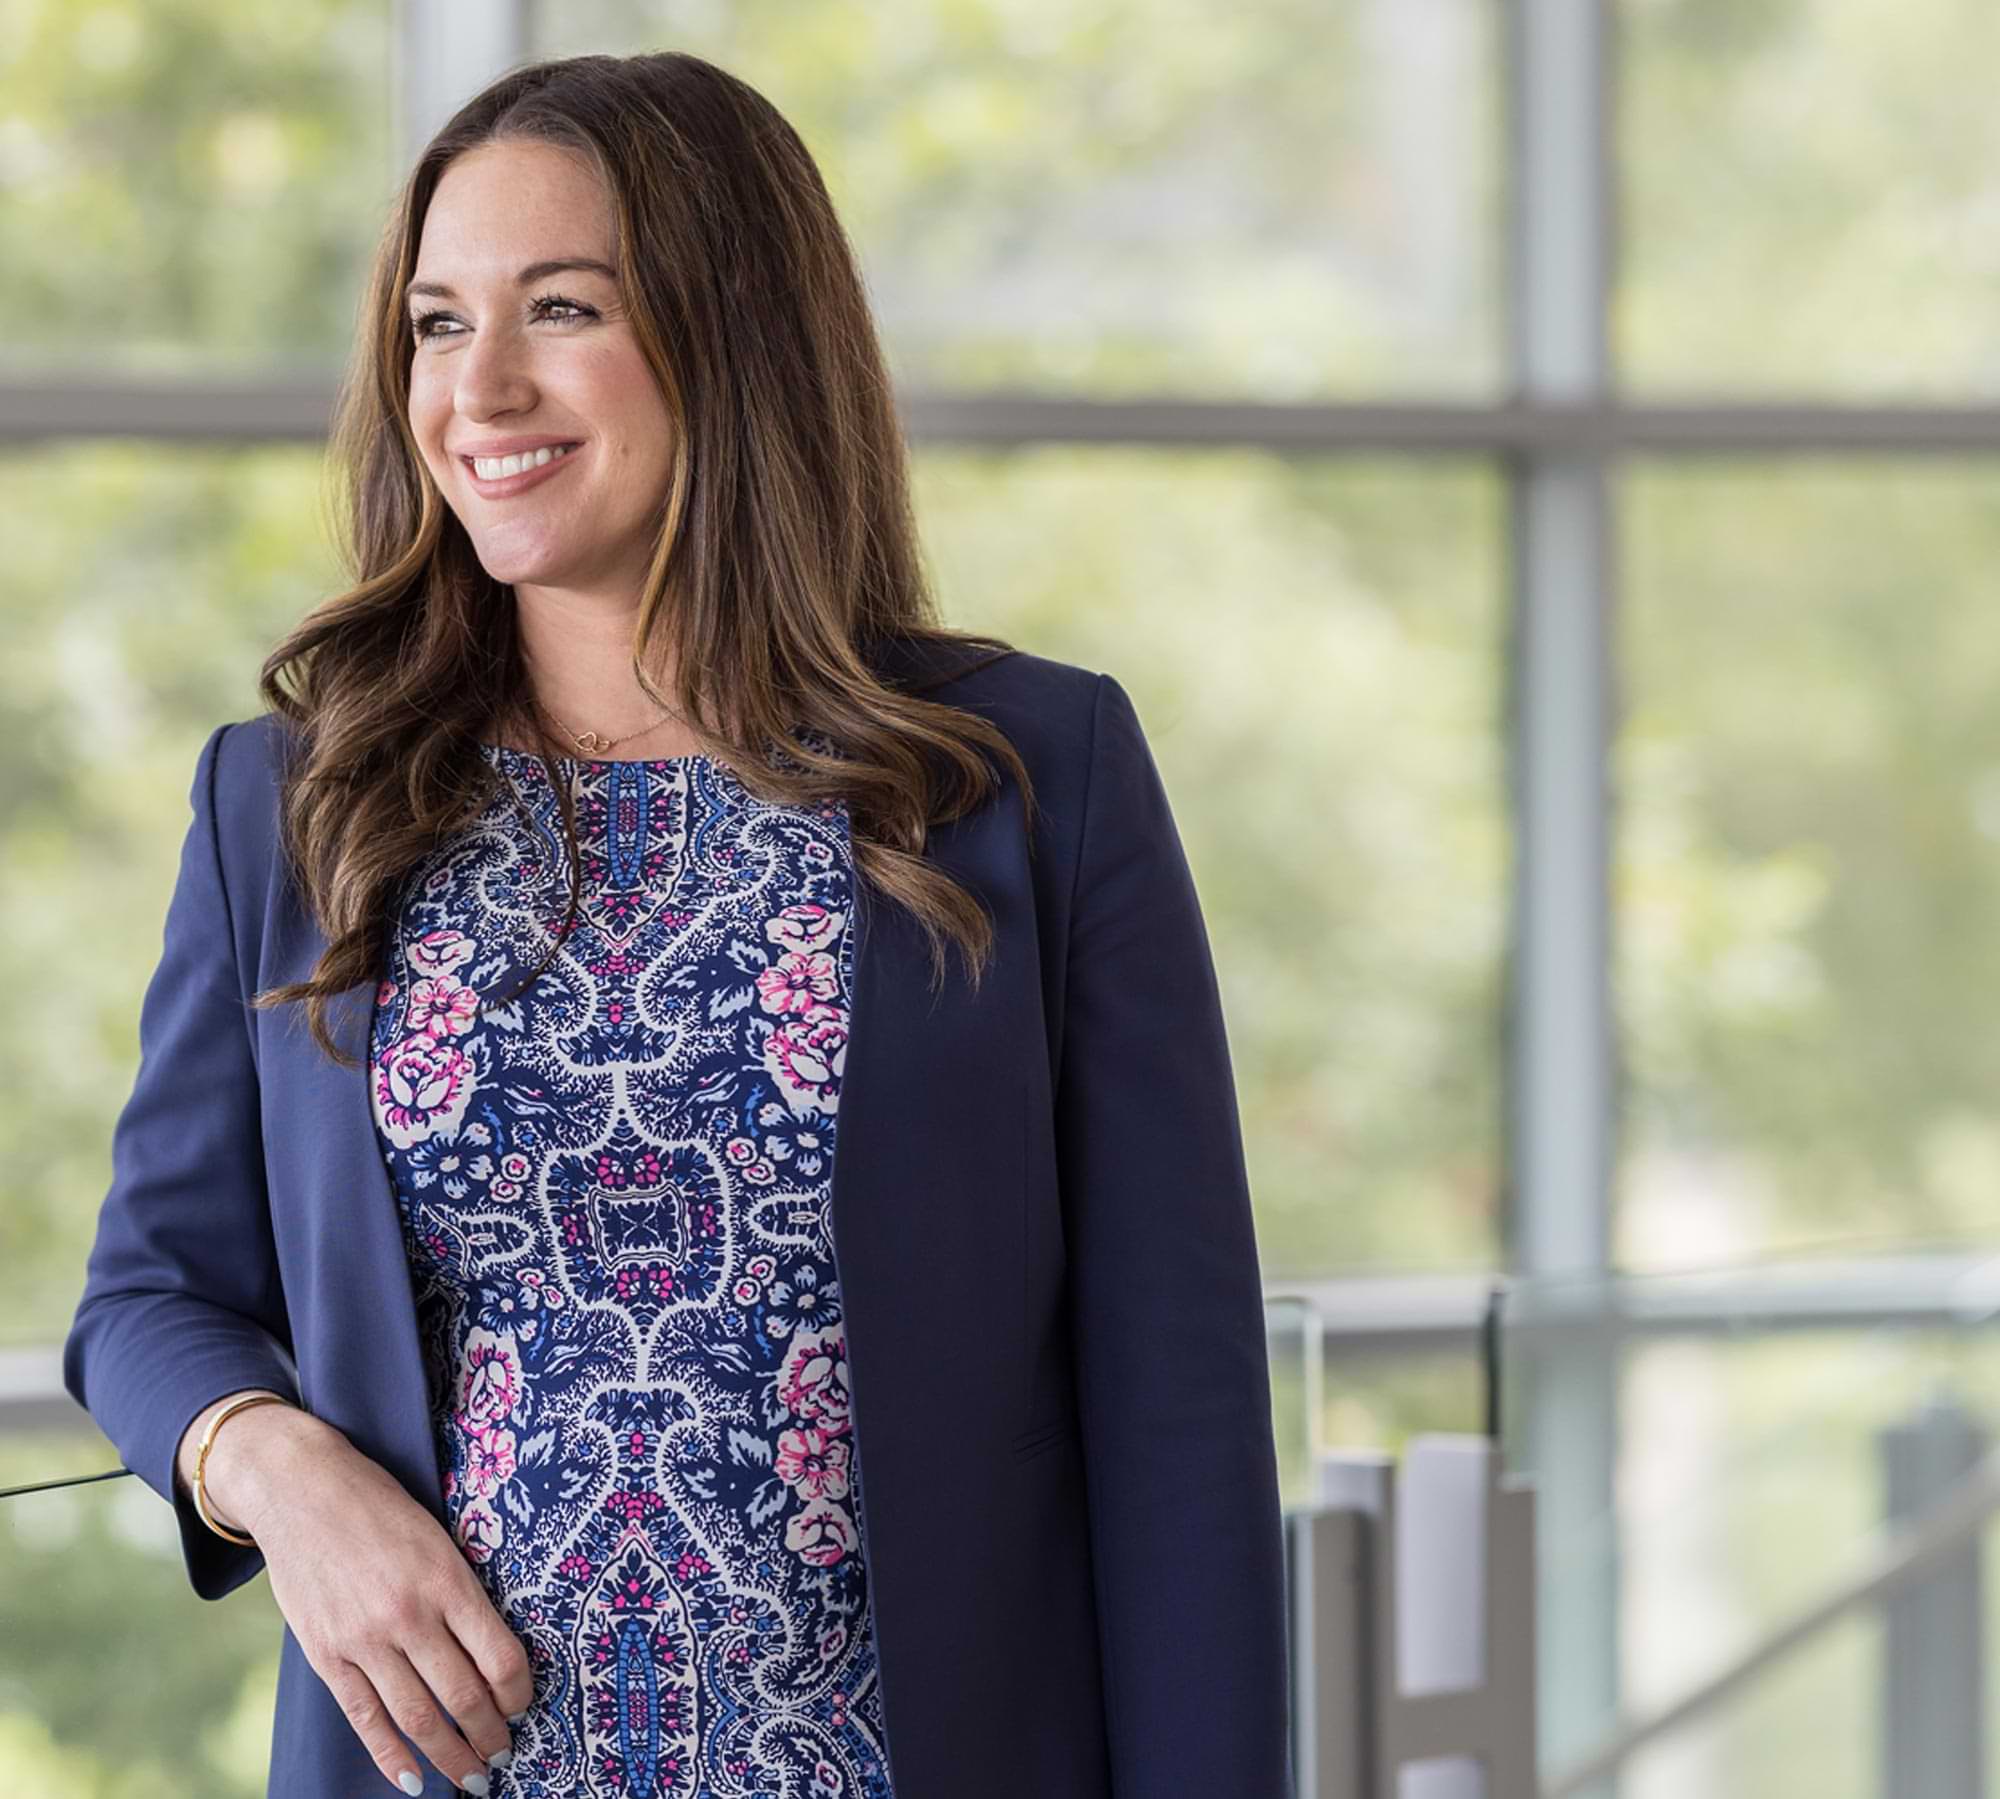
<point>1042,1227</point>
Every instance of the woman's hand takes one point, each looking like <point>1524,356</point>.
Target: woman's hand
<point>383,1603</point>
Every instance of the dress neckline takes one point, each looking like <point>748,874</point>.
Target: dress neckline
<point>506,752</point>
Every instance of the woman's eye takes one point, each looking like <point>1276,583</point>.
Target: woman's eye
<point>425,323</point>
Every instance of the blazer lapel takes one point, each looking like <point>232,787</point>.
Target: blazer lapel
<point>340,1241</point>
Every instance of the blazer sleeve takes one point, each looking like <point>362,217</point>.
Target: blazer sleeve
<point>1167,1319</point>
<point>182,1301</point>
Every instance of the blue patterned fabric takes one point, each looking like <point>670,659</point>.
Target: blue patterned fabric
<point>615,1192</point>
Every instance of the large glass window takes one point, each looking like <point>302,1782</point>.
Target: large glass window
<point>1809,197</point>
<point>1809,858</point>
<point>190,189</point>
<point>1278,201</point>
<point>1314,649</point>
<point>1240,346</point>
<point>146,583</point>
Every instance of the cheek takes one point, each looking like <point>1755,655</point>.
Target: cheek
<point>646,457</point>
<point>428,417</point>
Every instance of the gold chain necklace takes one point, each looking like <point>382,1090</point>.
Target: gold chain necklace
<point>590,742</point>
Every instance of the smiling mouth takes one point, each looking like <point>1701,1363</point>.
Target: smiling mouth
<point>526,461</point>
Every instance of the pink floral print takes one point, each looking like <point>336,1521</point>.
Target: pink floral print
<point>638,1360</point>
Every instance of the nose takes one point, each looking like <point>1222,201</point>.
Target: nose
<point>490,377</point>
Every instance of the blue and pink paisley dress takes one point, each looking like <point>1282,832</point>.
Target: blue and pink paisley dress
<point>615,1192</point>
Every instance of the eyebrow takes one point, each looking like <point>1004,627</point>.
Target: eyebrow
<point>535,271</point>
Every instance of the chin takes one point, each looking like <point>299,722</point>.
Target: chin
<point>545,563</point>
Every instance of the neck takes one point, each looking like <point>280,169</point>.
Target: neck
<point>580,682</point>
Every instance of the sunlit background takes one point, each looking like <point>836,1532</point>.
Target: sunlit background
<point>1533,464</point>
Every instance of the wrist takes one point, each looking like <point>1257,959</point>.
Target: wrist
<point>263,1475</point>
<point>237,1475</point>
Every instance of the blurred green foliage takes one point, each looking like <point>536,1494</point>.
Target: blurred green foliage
<point>1810,200</point>
<point>146,583</point>
<point>1809,869</point>
<point>114,1679</point>
<point>1138,197</point>
<point>190,185</point>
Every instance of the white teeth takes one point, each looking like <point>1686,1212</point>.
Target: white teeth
<point>496,468</point>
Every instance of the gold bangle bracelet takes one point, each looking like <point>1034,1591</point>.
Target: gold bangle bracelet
<point>201,1461</point>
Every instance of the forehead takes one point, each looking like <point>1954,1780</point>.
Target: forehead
<point>504,206</point>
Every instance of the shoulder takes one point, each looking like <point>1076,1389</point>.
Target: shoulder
<point>245,782</point>
<point>249,761</point>
<point>1046,707</point>
<point>1036,694</point>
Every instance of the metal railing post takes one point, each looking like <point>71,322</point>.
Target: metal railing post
<point>1414,1627</point>
<point>1933,1742</point>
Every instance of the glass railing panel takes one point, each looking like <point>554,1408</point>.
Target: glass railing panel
<point>1727,1464</point>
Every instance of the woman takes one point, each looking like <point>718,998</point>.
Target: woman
<point>469,1260</point>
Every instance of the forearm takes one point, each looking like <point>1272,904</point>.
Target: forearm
<point>241,1457</point>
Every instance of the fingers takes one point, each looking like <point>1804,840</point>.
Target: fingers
<point>469,1702</point>
<point>499,1655</point>
<point>426,1715</point>
<point>364,1707</point>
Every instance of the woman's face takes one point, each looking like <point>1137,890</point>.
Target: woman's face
<point>551,359</point>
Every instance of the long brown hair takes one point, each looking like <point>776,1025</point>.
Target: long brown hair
<point>786,549</point>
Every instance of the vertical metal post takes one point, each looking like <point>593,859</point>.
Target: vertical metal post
<point>1328,1568</point>
<point>1933,1741</point>
<point>446,50</point>
<point>1562,1051</point>
<point>1413,1603</point>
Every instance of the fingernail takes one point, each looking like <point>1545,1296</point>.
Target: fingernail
<point>410,1781</point>
<point>515,1717</point>
<point>477,1783</point>
<point>500,1758</point>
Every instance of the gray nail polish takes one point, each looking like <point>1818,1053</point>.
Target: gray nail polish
<point>500,1758</point>
<point>410,1781</point>
<point>477,1783</point>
